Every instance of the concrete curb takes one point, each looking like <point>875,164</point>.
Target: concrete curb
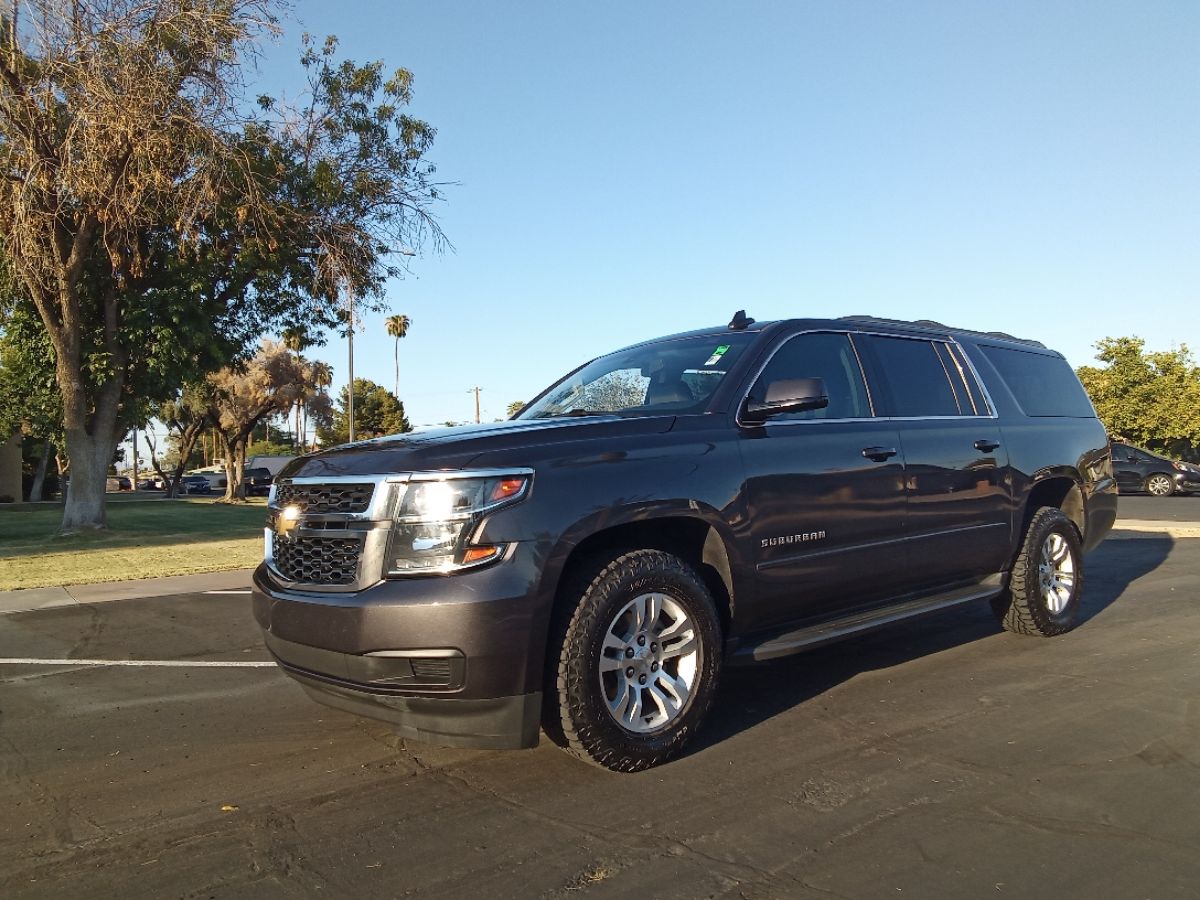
<point>1150,528</point>
<point>81,594</point>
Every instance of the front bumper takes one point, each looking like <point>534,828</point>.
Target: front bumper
<point>450,660</point>
<point>1187,483</point>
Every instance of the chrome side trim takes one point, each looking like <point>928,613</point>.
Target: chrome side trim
<point>793,558</point>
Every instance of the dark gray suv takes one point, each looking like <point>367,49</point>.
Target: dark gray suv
<point>714,498</point>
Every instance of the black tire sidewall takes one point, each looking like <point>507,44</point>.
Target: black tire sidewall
<point>627,577</point>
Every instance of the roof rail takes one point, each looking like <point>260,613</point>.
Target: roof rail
<point>929,324</point>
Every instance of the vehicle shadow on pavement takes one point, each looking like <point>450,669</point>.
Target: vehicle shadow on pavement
<point>751,695</point>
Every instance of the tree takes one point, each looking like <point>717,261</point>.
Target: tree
<point>377,412</point>
<point>515,407</point>
<point>397,327</point>
<point>240,397</point>
<point>186,417</point>
<point>29,398</point>
<point>296,340</point>
<point>1148,398</point>
<point>159,226</point>
<point>111,123</point>
<point>319,407</point>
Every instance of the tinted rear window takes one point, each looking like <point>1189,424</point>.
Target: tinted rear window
<point>1042,385</point>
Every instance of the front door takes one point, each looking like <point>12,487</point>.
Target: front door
<point>825,490</point>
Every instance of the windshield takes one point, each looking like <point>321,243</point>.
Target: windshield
<point>671,377</point>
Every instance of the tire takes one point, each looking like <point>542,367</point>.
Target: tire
<point>1160,485</point>
<point>636,662</point>
<point>1046,583</point>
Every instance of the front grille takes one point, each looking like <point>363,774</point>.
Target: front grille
<point>325,498</point>
<point>317,560</point>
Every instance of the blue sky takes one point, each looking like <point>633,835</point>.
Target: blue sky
<point>625,170</point>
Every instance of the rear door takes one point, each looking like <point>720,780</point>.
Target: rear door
<point>825,490</point>
<point>957,478</point>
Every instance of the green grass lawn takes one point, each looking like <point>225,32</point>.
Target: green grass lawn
<point>145,538</point>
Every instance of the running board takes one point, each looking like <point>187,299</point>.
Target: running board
<point>848,626</point>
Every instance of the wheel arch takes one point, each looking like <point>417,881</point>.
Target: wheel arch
<point>1061,490</point>
<point>695,538</point>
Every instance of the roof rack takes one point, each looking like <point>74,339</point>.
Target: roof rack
<point>929,324</point>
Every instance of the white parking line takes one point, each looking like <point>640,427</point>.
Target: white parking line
<point>161,663</point>
<point>226,592</point>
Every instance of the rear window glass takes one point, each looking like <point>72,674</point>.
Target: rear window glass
<point>1042,385</point>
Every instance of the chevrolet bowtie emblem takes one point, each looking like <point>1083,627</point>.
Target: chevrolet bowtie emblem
<point>287,522</point>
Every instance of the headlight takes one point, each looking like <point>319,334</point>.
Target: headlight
<point>434,520</point>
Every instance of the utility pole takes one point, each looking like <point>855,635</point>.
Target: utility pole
<point>350,342</point>
<point>476,391</point>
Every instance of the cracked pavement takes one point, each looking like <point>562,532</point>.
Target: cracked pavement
<point>938,758</point>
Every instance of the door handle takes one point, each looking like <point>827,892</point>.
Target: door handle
<point>879,454</point>
<point>986,446</point>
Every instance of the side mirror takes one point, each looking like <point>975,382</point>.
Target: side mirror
<point>787,396</point>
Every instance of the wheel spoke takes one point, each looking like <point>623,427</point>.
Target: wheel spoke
<point>667,706</point>
<point>634,710</point>
<point>674,686</point>
<point>653,604</point>
<point>683,645</point>
<point>620,703</point>
<point>1061,550</point>
<point>614,643</point>
<point>611,664</point>
<point>678,624</point>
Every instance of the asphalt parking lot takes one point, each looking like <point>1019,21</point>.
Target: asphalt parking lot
<point>942,758</point>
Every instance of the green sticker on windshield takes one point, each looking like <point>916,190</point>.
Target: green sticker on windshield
<point>717,354</point>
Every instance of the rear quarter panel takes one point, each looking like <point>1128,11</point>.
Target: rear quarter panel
<point>1042,447</point>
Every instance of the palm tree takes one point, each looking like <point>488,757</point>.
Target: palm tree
<point>296,339</point>
<point>397,327</point>
<point>321,378</point>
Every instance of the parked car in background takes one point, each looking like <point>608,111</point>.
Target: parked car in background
<point>118,483</point>
<point>194,484</point>
<point>1140,470</point>
<point>257,481</point>
<point>215,478</point>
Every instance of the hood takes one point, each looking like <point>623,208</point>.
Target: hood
<point>454,448</point>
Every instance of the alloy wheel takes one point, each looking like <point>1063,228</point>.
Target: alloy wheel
<point>1056,573</point>
<point>1159,485</point>
<point>648,663</point>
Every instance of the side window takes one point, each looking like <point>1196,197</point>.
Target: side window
<point>916,376</point>
<point>1043,384</point>
<point>823,355</point>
